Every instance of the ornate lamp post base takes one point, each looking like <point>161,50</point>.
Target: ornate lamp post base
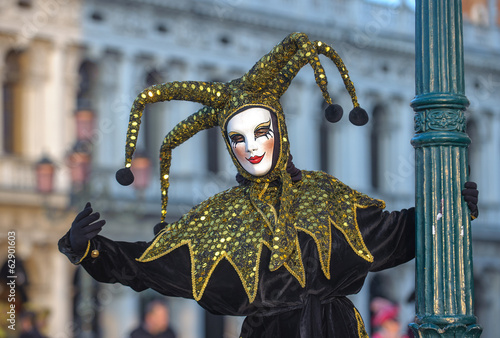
<point>458,330</point>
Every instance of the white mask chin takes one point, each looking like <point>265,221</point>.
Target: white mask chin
<point>251,136</point>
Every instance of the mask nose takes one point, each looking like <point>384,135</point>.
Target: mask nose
<point>251,145</point>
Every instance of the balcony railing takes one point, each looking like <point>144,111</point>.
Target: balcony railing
<point>17,174</point>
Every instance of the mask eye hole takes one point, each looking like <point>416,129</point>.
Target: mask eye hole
<point>264,129</point>
<point>236,138</point>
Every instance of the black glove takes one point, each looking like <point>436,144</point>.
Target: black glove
<point>84,227</point>
<point>159,227</point>
<point>470,194</point>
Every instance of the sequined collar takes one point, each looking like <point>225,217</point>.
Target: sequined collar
<point>229,226</point>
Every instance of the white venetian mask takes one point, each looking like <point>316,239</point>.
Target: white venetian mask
<point>251,135</point>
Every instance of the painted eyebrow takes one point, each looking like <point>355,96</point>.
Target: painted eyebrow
<point>264,124</point>
<point>232,133</point>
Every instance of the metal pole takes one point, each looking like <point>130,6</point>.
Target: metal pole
<point>444,282</point>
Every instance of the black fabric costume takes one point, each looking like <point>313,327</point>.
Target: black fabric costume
<point>281,307</point>
<point>284,248</point>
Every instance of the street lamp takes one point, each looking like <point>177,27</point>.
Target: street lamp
<point>45,169</point>
<point>78,160</point>
<point>141,167</point>
<point>79,164</point>
<point>85,123</point>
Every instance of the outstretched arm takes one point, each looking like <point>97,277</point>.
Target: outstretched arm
<point>390,236</point>
<point>110,261</point>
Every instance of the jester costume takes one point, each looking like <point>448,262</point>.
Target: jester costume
<point>284,249</point>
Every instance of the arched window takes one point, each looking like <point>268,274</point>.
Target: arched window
<point>87,75</point>
<point>212,149</point>
<point>212,146</point>
<point>377,136</point>
<point>11,103</point>
<point>152,128</point>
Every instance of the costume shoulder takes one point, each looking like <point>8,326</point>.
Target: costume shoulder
<point>325,202</point>
<point>333,189</point>
<point>224,226</point>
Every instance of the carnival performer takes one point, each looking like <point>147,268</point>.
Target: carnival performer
<point>285,247</point>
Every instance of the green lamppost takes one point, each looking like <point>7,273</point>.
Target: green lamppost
<point>444,283</point>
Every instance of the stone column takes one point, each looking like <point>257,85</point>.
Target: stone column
<point>53,122</point>
<point>399,175</point>
<point>61,315</point>
<point>357,147</point>
<point>4,47</point>
<point>34,81</point>
<point>125,94</point>
<point>104,106</point>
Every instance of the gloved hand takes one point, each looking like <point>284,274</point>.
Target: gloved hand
<point>84,227</point>
<point>470,194</point>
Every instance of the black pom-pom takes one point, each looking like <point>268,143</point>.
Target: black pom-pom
<point>358,116</point>
<point>124,176</point>
<point>333,113</point>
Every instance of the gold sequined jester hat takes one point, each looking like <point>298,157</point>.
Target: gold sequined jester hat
<point>262,86</point>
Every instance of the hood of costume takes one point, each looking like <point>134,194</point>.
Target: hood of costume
<point>266,211</point>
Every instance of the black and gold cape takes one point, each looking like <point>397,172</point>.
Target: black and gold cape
<point>219,254</point>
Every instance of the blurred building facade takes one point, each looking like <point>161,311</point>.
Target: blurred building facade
<point>62,57</point>
<point>38,70</point>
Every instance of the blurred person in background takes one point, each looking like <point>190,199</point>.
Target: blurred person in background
<point>29,326</point>
<point>155,323</point>
<point>385,319</point>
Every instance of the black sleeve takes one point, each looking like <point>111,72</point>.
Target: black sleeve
<point>390,236</point>
<point>116,263</point>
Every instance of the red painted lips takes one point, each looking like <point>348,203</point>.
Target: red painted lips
<point>255,159</point>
